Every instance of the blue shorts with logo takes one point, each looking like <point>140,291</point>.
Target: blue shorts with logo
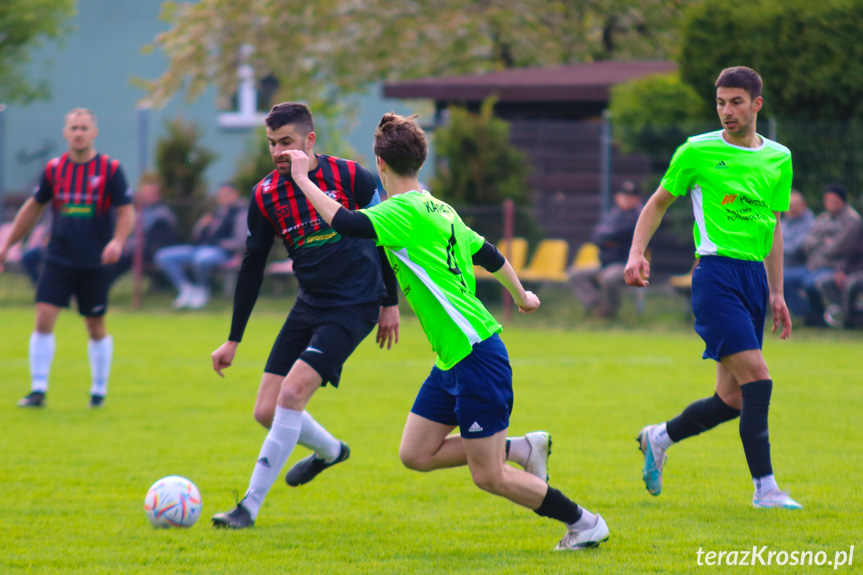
<point>729,299</point>
<point>475,394</point>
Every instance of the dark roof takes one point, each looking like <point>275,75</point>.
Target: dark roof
<point>574,83</point>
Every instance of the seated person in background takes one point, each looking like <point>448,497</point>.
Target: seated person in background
<point>829,243</point>
<point>599,289</point>
<point>841,290</point>
<point>795,225</point>
<point>33,253</point>
<point>157,223</point>
<point>217,237</point>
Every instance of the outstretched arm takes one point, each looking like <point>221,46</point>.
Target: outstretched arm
<point>637,270</point>
<point>775,281</point>
<point>526,301</point>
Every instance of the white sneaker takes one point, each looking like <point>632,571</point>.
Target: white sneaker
<point>584,538</point>
<point>654,460</point>
<point>199,298</point>
<point>775,499</point>
<point>184,297</point>
<point>540,449</point>
<point>833,315</point>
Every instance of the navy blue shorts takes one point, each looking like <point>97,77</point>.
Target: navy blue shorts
<point>475,394</point>
<point>58,283</point>
<point>729,299</point>
<point>322,337</point>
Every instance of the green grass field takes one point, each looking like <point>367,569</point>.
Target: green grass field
<point>74,479</point>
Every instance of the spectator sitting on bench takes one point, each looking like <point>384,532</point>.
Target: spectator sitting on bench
<point>795,225</point>
<point>841,290</point>
<point>158,227</point>
<point>217,236</point>
<point>828,245</point>
<point>599,289</point>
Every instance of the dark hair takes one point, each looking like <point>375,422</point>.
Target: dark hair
<point>291,113</point>
<point>401,143</point>
<point>838,189</point>
<point>741,77</point>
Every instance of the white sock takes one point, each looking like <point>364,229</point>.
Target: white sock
<point>519,450</point>
<point>764,484</point>
<point>42,347</point>
<point>660,438</point>
<point>100,351</point>
<point>586,521</point>
<point>314,436</point>
<point>278,445</point>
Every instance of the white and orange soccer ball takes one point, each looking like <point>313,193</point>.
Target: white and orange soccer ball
<point>173,501</point>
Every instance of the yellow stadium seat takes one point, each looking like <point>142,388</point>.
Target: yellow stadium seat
<point>587,257</point>
<point>516,255</point>
<point>548,263</point>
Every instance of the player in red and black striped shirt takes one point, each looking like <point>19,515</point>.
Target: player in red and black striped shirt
<point>92,215</point>
<point>345,289</point>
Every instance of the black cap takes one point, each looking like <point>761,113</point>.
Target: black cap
<point>838,189</point>
<point>629,188</point>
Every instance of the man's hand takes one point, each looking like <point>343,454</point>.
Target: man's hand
<point>780,315</point>
<point>224,356</point>
<point>112,252</point>
<point>299,163</point>
<point>530,303</point>
<point>388,326</point>
<point>637,271</point>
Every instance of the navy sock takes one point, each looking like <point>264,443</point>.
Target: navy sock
<point>558,506</point>
<point>700,416</point>
<point>753,426</point>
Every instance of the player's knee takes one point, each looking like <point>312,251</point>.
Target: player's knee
<point>487,479</point>
<point>414,461</point>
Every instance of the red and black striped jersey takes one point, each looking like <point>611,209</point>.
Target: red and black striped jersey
<point>331,269</point>
<point>81,197</point>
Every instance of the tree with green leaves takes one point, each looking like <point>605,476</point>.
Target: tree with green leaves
<point>477,166</point>
<point>811,59</point>
<point>180,162</point>
<point>24,26</point>
<point>809,53</point>
<point>319,52</point>
<point>654,113</point>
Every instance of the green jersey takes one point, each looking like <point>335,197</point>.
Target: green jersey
<point>735,192</point>
<point>430,249</point>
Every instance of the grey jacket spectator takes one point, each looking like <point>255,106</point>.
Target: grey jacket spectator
<point>225,227</point>
<point>599,290</point>
<point>796,223</point>
<point>613,232</point>
<point>832,238</point>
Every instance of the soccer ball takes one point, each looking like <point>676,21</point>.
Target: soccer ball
<point>173,501</point>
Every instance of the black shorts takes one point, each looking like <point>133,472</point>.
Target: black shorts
<point>58,283</point>
<point>322,337</point>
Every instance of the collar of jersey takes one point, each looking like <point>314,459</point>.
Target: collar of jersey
<point>759,148</point>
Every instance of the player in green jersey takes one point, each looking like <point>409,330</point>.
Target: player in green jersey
<point>738,181</point>
<point>432,252</point>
